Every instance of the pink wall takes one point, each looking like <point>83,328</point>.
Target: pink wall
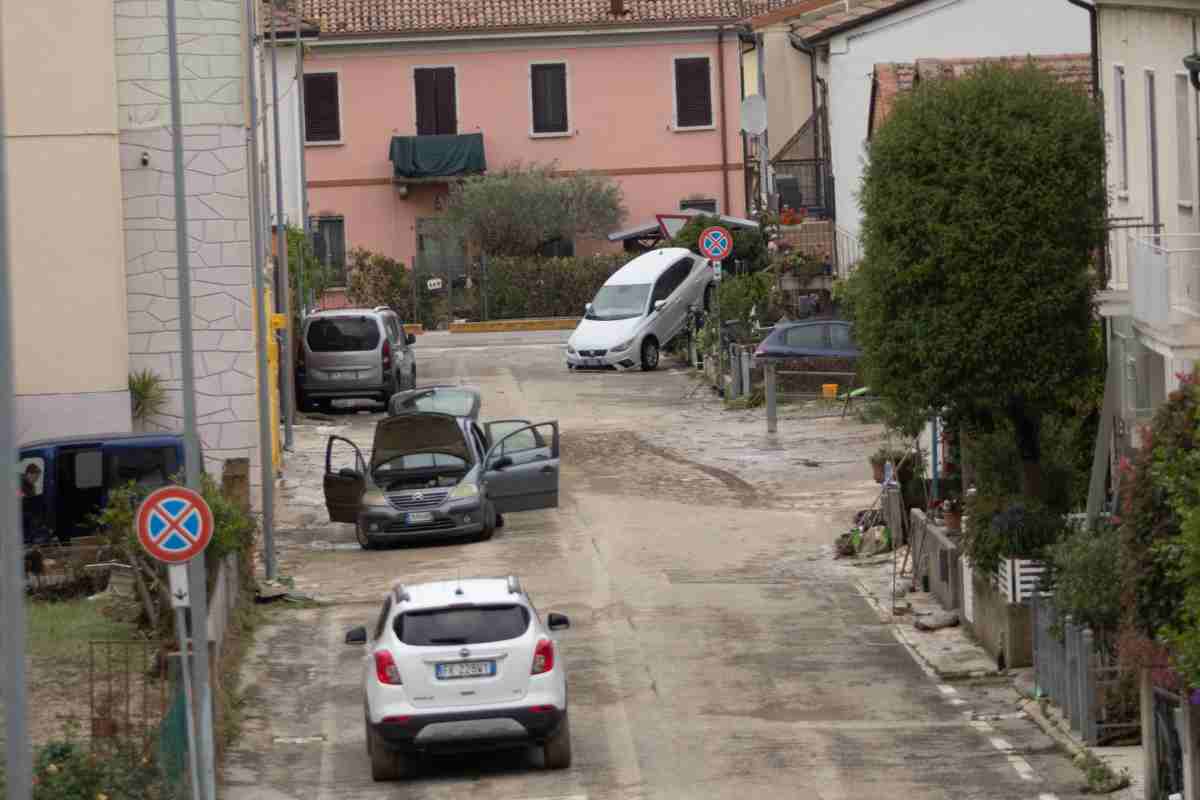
<point>620,106</point>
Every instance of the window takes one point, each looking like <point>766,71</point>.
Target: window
<point>329,245</point>
<point>693,93</point>
<point>89,469</point>
<point>548,83</point>
<point>475,625</point>
<point>436,103</point>
<point>1122,128</point>
<point>841,337</point>
<point>322,108</point>
<point>811,337</point>
<point>620,301</point>
<point>1183,136</point>
<point>707,205</point>
<point>669,281</point>
<point>149,468</point>
<point>342,334</point>
<point>32,472</point>
<point>1152,147</point>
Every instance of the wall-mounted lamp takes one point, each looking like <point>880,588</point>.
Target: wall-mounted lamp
<point>145,158</point>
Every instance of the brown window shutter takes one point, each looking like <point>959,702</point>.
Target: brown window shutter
<point>321,114</point>
<point>693,93</point>
<point>436,113</point>
<point>548,82</point>
<point>447,113</point>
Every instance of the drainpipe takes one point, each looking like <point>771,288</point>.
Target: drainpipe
<point>811,52</point>
<point>764,155</point>
<point>724,120</point>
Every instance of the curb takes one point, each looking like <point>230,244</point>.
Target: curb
<point>505,325</point>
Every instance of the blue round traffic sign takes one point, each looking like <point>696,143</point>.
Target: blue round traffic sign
<point>716,243</point>
<point>174,524</point>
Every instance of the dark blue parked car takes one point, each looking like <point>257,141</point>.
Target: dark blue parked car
<point>65,481</point>
<point>820,339</point>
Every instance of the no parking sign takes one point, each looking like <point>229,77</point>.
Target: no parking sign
<point>174,524</point>
<point>716,243</point>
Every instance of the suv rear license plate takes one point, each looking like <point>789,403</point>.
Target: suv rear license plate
<point>419,518</point>
<point>343,376</point>
<point>466,669</point>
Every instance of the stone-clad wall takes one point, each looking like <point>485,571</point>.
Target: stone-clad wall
<point>212,68</point>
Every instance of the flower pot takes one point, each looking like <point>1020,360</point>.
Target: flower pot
<point>877,470</point>
<point>953,520</point>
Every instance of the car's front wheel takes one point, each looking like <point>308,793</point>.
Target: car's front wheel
<point>489,524</point>
<point>556,752</point>
<point>387,765</point>
<point>649,354</point>
<point>364,540</point>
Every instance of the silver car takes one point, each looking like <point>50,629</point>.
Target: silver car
<point>354,353</point>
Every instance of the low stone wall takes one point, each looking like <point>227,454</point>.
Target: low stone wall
<point>1005,630</point>
<point>222,605</point>
<point>503,325</point>
<point>936,560</point>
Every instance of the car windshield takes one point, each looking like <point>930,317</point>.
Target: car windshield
<point>456,402</point>
<point>419,461</point>
<point>467,625</point>
<point>623,301</point>
<point>342,334</point>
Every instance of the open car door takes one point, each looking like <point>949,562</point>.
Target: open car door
<point>521,468</point>
<point>345,479</point>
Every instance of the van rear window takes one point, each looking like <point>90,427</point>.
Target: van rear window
<point>342,334</point>
<point>466,625</point>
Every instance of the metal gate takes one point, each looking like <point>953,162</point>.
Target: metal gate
<point>1168,749</point>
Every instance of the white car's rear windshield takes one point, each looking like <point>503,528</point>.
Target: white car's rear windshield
<point>623,301</point>
<point>466,625</point>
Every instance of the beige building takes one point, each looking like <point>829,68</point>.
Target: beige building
<point>67,241</point>
<point>1150,108</point>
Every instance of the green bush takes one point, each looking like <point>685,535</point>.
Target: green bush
<point>1067,444</point>
<point>65,769</point>
<point>1086,579</point>
<point>534,286</point>
<point>1001,527</point>
<point>749,244</point>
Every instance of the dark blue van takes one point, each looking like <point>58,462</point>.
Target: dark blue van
<point>65,481</point>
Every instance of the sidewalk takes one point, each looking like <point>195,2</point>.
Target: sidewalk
<point>951,654</point>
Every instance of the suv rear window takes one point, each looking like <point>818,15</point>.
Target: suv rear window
<point>343,334</point>
<point>466,625</point>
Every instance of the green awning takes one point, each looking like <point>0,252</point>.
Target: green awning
<point>437,156</point>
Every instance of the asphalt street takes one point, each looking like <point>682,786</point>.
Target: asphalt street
<point>714,651</point>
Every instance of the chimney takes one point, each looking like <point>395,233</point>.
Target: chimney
<point>618,8</point>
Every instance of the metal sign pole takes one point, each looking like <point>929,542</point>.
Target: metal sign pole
<point>18,754</point>
<point>179,599</point>
<point>266,455</point>
<point>285,288</point>
<point>196,572</point>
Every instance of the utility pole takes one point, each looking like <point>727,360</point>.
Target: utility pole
<point>285,352</point>
<point>266,459</point>
<point>18,754</point>
<point>197,575</point>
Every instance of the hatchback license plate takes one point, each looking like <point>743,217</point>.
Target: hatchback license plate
<point>420,518</point>
<point>343,376</point>
<point>466,669</point>
<point>593,362</point>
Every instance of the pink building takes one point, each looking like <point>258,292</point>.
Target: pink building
<point>645,91</point>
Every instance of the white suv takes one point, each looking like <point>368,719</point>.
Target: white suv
<point>458,666</point>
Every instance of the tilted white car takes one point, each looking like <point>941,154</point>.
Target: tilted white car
<point>461,666</point>
<point>639,309</point>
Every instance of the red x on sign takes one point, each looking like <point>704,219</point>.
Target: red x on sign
<point>174,524</point>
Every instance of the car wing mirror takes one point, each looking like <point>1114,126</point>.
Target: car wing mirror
<point>410,338</point>
<point>659,305</point>
<point>558,622</point>
<point>347,472</point>
<point>356,635</point>
<point>587,309</point>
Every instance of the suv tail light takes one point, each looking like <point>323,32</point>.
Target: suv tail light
<point>387,358</point>
<point>543,657</point>
<point>385,668</point>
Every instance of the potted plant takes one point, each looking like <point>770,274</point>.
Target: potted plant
<point>952,511</point>
<point>881,457</point>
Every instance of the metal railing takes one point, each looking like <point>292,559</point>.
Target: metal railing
<point>1084,682</point>
<point>848,251</point>
<point>1164,277</point>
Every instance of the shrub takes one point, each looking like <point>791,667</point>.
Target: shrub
<point>148,394</point>
<point>1086,580</point>
<point>545,287</point>
<point>376,280</point>
<point>749,244</point>
<point>65,769</point>
<point>1001,527</point>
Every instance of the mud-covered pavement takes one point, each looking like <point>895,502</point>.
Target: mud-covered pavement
<point>714,650</point>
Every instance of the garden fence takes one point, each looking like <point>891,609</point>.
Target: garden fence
<point>1078,677</point>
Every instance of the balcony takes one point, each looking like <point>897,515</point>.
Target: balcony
<point>1164,279</point>
<point>436,159</point>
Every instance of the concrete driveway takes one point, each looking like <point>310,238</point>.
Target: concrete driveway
<point>714,651</point>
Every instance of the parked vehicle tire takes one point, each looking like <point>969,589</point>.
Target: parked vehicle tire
<point>499,520</point>
<point>324,406</point>
<point>649,354</point>
<point>394,387</point>
<point>412,377</point>
<point>489,524</point>
<point>556,752</point>
<point>364,539</point>
<point>387,765</point>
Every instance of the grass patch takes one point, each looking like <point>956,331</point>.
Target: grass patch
<point>1101,779</point>
<point>61,630</point>
<point>230,696</point>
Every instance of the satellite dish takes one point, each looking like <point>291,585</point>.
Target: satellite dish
<point>754,115</point>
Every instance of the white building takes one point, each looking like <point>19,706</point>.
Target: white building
<point>1150,110</point>
<point>847,38</point>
